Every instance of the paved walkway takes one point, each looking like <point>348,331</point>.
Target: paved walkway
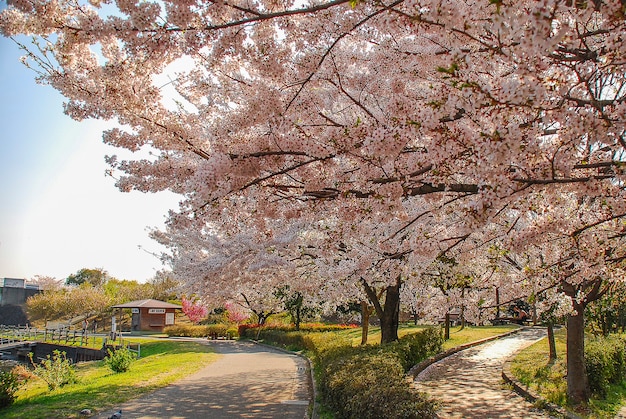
<point>247,381</point>
<point>469,383</point>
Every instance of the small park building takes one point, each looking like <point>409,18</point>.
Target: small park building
<point>150,315</point>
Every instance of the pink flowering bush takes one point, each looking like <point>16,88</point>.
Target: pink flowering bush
<point>194,311</point>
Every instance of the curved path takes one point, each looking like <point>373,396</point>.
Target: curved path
<point>247,381</point>
<point>469,383</point>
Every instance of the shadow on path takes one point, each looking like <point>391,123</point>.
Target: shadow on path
<point>246,381</point>
<point>469,383</point>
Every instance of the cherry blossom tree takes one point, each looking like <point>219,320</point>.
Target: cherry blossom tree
<point>235,313</point>
<point>367,113</point>
<point>195,311</point>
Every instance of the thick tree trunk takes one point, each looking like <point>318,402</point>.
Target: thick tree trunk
<point>389,320</point>
<point>446,327</point>
<point>365,322</point>
<point>389,314</point>
<point>577,383</point>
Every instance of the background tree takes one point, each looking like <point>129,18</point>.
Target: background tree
<point>94,277</point>
<point>608,314</point>
<point>46,282</point>
<point>296,304</point>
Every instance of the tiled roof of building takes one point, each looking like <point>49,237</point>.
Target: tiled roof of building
<point>149,303</point>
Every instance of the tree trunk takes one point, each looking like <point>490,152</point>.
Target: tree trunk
<point>365,322</point>
<point>298,317</point>
<point>389,315</point>
<point>390,318</point>
<point>446,327</point>
<point>497,303</point>
<point>577,383</point>
<point>551,342</point>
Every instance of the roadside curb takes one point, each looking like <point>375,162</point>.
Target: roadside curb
<point>313,412</point>
<point>519,388</point>
<point>414,372</point>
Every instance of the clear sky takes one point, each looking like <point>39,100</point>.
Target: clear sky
<point>58,211</point>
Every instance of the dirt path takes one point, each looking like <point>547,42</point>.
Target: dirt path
<point>247,381</point>
<point>469,383</point>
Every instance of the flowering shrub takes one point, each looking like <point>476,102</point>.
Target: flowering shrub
<point>194,311</point>
<point>236,313</point>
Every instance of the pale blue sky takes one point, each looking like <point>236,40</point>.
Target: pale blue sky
<point>58,211</point>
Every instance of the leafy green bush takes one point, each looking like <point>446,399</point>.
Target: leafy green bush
<point>8,386</point>
<point>55,370</point>
<point>414,348</point>
<point>605,360</point>
<point>369,383</point>
<point>120,359</point>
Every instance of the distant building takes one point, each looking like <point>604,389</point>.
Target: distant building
<point>15,291</point>
<point>151,315</point>
<point>13,295</point>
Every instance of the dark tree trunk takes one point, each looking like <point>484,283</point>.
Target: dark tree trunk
<point>365,322</point>
<point>577,384</point>
<point>497,303</point>
<point>446,327</point>
<point>389,321</point>
<point>551,342</point>
<point>389,314</point>
<point>582,294</point>
<point>298,317</point>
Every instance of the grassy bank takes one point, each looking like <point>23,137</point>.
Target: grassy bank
<point>98,388</point>
<point>533,368</point>
<point>458,335</point>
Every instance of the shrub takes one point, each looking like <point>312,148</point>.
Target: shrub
<point>120,359</point>
<point>370,383</point>
<point>414,348</point>
<point>8,386</point>
<point>605,361</point>
<point>55,370</point>
<point>250,330</point>
<point>202,331</point>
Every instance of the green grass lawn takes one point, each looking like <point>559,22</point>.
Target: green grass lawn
<point>532,367</point>
<point>98,388</point>
<point>458,335</point>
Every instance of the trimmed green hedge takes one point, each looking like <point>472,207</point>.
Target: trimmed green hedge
<point>370,381</point>
<point>365,382</point>
<point>251,330</point>
<point>202,331</point>
<point>605,359</point>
